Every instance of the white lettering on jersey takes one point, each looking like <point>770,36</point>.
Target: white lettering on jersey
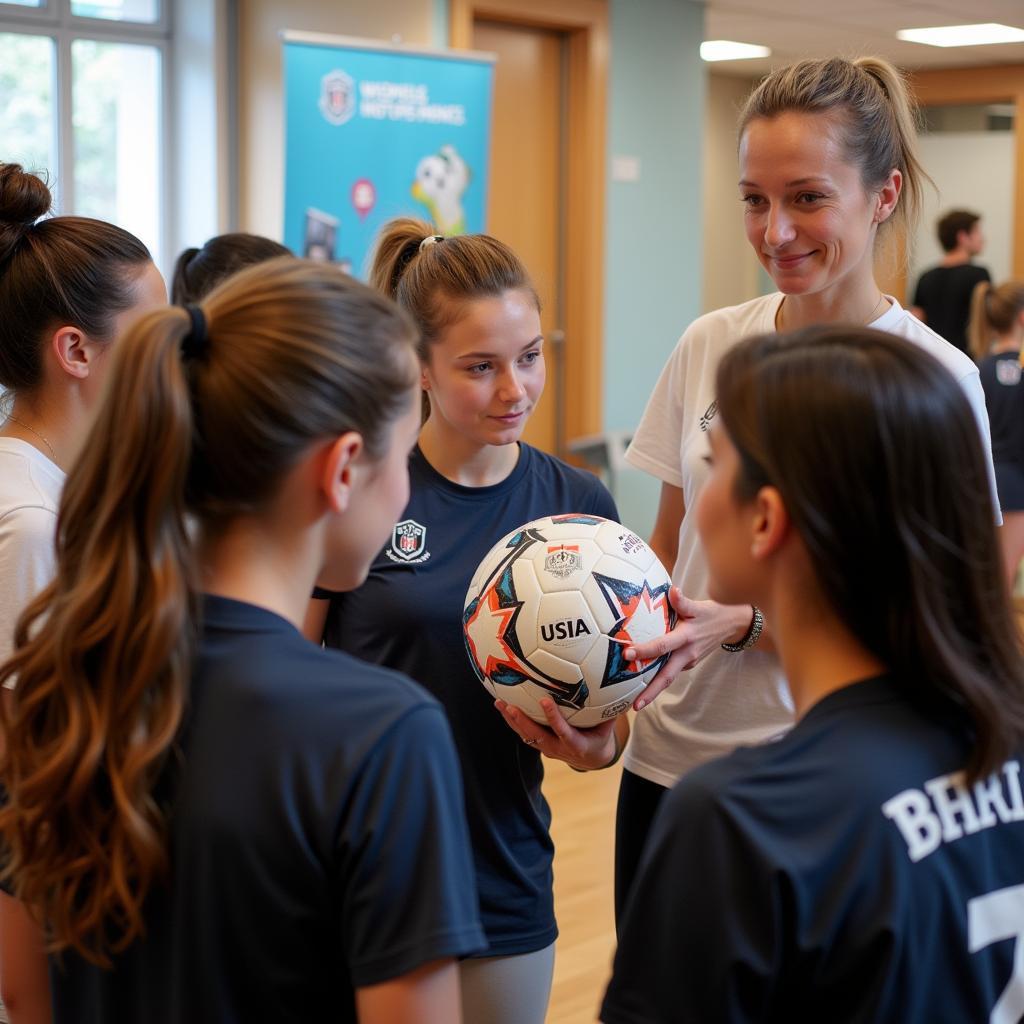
<point>953,810</point>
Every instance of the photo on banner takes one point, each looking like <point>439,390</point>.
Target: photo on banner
<point>375,131</point>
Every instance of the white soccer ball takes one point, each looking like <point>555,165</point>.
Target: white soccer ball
<point>553,606</point>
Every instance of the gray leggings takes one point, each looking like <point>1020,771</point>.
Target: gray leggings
<point>507,989</point>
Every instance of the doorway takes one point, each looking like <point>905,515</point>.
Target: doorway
<point>546,189</point>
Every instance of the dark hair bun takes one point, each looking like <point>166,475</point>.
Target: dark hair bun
<point>24,197</point>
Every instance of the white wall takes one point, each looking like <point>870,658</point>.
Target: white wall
<point>973,171</point>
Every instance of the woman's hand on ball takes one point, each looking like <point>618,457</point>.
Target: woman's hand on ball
<point>703,626</point>
<point>588,749</point>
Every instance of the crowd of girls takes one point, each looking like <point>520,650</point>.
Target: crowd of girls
<point>207,817</point>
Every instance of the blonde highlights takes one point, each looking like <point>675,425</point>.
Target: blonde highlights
<point>295,353</point>
<point>994,311</point>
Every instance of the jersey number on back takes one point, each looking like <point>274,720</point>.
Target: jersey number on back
<point>991,918</point>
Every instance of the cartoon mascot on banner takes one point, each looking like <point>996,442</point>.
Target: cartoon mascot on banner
<point>441,181</point>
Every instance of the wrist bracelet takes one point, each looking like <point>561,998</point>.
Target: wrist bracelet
<point>751,636</point>
<point>615,757</point>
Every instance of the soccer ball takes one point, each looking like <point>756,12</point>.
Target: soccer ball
<point>553,606</point>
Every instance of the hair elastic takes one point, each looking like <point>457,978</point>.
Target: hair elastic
<point>194,343</point>
<point>430,240</point>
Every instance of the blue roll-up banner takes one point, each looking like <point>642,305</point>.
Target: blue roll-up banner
<point>374,131</point>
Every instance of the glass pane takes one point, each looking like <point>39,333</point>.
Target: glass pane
<point>115,101</point>
<point>23,3</point>
<point>27,125</point>
<point>117,10</point>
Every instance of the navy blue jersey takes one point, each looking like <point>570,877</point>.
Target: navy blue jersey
<point>317,842</point>
<point>842,873</point>
<point>408,615</point>
<point>1004,399</point>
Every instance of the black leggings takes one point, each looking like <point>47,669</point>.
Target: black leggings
<point>638,802</point>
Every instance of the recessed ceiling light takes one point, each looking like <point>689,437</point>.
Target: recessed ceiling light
<point>726,49</point>
<point>963,35</point>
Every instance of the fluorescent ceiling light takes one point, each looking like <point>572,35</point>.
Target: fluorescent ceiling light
<point>726,49</point>
<point>963,35</point>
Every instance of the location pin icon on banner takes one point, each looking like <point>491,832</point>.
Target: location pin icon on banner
<point>364,197</point>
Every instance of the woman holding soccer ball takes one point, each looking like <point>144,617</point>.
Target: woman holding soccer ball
<point>826,164</point>
<point>473,480</point>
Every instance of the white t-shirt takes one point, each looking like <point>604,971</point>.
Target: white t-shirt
<point>30,486</point>
<point>728,700</point>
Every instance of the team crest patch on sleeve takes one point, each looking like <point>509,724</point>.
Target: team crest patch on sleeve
<point>408,542</point>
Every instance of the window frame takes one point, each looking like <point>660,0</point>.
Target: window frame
<point>55,21</point>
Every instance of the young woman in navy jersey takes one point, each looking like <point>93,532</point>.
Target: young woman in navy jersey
<point>207,817</point>
<point>869,866</point>
<point>996,332</point>
<point>473,480</point>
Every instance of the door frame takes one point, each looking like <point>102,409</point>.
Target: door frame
<point>585,24</point>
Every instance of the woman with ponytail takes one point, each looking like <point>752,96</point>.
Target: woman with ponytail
<point>996,332</point>
<point>473,480</point>
<point>827,167</point>
<point>869,865</point>
<point>206,817</point>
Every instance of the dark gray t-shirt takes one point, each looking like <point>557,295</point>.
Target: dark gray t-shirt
<point>317,842</point>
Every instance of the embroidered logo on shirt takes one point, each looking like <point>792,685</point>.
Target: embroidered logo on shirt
<point>1008,372</point>
<point>408,542</point>
<point>709,415</point>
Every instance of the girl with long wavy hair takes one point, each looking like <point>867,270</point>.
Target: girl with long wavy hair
<point>206,817</point>
<point>869,865</point>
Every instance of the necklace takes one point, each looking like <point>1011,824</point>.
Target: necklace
<point>874,309</point>
<point>32,430</point>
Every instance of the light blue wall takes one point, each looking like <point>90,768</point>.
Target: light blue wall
<point>653,239</point>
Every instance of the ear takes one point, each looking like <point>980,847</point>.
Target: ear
<point>339,470</point>
<point>73,351</point>
<point>770,524</point>
<point>888,196</point>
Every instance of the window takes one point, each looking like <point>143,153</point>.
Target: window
<point>83,100</point>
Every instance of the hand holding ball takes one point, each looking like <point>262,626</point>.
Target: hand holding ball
<point>552,609</point>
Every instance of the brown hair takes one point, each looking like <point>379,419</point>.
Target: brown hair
<point>993,313</point>
<point>62,270</point>
<point>871,106</point>
<point>296,352</point>
<point>433,282</point>
<point>950,225</point>
<point>197,271</point>
<point>878,458</point>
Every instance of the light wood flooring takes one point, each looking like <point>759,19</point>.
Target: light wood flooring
<point>583,827</point>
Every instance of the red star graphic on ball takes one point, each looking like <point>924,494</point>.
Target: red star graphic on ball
<point>486,629</point>
<point>641,614</point>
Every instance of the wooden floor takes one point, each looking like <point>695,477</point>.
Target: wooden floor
<point>583,827</point>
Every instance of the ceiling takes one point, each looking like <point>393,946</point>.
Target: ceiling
<point>821,28</point>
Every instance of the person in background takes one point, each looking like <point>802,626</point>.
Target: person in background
<point>996,335</point>
<point>198,271</point>
<point>827,165</point>
<point>472,481</point>
<point>209,818</point>
<point>869,865</point>
<point>942,298</point>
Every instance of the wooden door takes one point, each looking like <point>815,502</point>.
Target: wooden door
<point>524,206</point>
